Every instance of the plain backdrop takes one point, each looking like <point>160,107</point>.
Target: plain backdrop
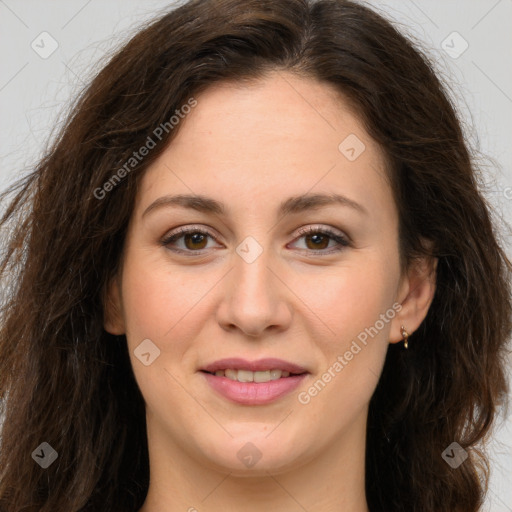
<point>51,49</point>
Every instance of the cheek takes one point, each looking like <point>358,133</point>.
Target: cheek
<point>351,299</point>
<point>356,304</point>
<point>159,301</point>
<point>337,395</point>
<point>163,305</point>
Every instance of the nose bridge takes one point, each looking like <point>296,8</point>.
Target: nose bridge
<point>255,299</point>
<point>252,270</point>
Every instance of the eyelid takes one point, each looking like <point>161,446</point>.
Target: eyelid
<point>178,232</point>
<point>314,228</point>
<point>340,237</point>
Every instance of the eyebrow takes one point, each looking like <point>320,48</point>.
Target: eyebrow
<point>295,204</point>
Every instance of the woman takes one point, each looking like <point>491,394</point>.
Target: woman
<point>253,273</point>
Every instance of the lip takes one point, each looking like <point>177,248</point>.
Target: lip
<point>253,393</point>
<point>261,365</point>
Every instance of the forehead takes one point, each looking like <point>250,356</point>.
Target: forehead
<point>279,135</point>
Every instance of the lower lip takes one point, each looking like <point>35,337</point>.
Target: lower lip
<point>253,393</point>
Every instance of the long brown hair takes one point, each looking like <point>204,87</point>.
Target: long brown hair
<point>67,382</point>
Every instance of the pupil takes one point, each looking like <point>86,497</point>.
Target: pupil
<point>195,238</point>
<point>317,238</point>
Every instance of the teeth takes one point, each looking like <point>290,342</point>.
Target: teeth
<point>248,376</point>
<point>231,374</point>
<point>245,376</point>
<point>277,374</point>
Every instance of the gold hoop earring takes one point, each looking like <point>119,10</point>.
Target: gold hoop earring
<point>405,336</point>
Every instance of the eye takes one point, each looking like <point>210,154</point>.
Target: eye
<point>318,239</point>
<point>194,239</point>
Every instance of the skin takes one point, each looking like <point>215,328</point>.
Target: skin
<point>252,146</point>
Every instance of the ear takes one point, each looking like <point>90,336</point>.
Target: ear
<point>113,320</point>
<point>416,292</point>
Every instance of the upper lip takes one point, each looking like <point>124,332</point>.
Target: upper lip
<point>261,365</point>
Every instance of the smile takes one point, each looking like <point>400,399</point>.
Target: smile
<point>252,392</point>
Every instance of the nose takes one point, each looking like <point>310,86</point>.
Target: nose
<point>256,299</point>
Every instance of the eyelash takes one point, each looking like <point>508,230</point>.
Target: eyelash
<point>341,240</point>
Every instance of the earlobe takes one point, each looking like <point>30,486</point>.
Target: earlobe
<point>113,321</point>
<point>415,296</point>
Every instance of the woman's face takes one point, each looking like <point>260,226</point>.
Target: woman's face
<point>267,161</point>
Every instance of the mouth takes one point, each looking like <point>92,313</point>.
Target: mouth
<point>262,370</point>
<point>250,376</point>
<point>253,383</point>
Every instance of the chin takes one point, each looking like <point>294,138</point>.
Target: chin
<point>255,454</point>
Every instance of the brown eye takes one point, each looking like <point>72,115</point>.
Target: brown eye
<point>192,240</point>
<point>318,241</point>
<point>195,240</point>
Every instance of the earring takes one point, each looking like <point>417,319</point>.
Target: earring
<point>405,336</point>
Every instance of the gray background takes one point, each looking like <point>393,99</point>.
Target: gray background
<point>35,93</point>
